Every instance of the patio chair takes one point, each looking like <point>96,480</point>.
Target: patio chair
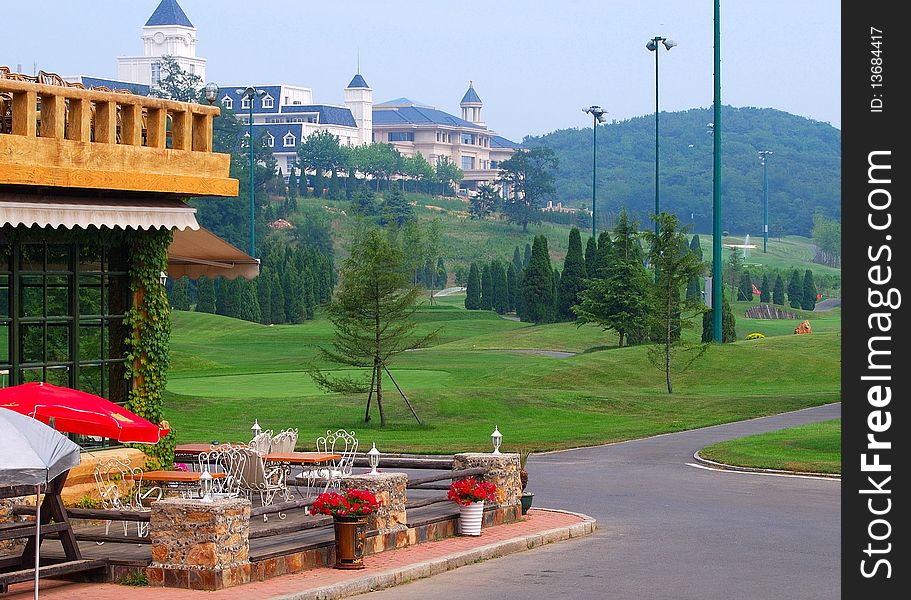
<point>284,441</point>
<point>228,460</point>
<point>262,442</point>
<point>256,478</point>
<point>111,476</point>
<point>334,442</point>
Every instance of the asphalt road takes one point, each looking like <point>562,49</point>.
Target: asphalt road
<point>667,530</point>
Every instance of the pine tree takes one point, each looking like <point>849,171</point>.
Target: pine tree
<point>745,289</point>
<point>473,288</point>
<point>764,292</point>
<point>795,290</point>
<point>486,288</point>
<point>278,300</point>
<point>809,291</point>
<point>442,277</point>
<point>511,289</point>
<point>778,291</point>
<point>264,295</point>
<point>591,256</point>
<point>602,255</point>
<point>498,285</point>
<point>573,276</point>
<point>696,247</point>
<point>248,310</point>
<point>205,295</point>
<point>728,323</point>
<point>537,284</point>
<point>178,298</point>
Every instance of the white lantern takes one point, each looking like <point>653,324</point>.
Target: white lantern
<point>374,457</point>
<point>205,484</point>
<point>256,428</point>
<point>496,437</point>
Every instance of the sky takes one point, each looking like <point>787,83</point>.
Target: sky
<point>534,64</point>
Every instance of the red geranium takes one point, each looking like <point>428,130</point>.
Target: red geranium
<point>466,491</point>
<point>353,503</point>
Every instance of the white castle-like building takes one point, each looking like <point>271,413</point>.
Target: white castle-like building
<point>284,115</point>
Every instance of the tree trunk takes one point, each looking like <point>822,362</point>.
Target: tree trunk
<point>370,395</point>
<point>379,394</point>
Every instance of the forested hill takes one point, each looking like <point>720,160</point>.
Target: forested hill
<point>804,170</point>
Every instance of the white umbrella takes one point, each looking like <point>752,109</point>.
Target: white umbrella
<point>31,453</point>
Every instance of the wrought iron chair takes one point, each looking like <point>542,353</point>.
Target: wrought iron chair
<point>262,442</point>
<point>110,477</point>
<point>340,442</point>
<point>284,441</point>
<point>228,460</point>
<point>257,478</point>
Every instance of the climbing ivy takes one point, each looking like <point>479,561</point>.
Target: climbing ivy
<point>148,340</point>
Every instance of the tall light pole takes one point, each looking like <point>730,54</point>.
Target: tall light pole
<point>250,93</point>
<point>652,45</point>
<point>764,159</point>
<point>597,114</point>
<point>716,184</point>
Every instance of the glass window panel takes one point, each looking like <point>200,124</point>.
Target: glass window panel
<point>58,300</point>
<point>4,343</point>
<point>58,257</point>
<point>31,374</point>
<point>58,375</point>
<point>114,337</point>
<point>4,295</point>
<point>90,341</point>
<point>89,295</point>
<point>31,343</point>
<point>6,254</point>
<point>89,258</point>
<point>58,343</point>
<point>117,299</point>
<point>31,301</point>
<point>32,257</point>
<point>90,379</point>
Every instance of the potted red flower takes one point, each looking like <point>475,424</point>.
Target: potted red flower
<point>349,513</point>
<point>470,494</point>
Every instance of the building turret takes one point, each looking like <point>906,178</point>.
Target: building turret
<point>471,106</point>
<point>359,99</point>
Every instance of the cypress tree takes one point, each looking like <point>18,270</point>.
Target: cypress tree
<point>473,288</point>
<point>795,290</point>
<point>809,291</point>
<point>248,309</point>
<point>572,277</point>
<point>308,283</point>
<point>335,190</point>
<point>555,308</point>
<point>517,260</point>
<point>728,323</point>
<point>234,298</point>
<point>205,295</point>
<point>178,298</point>
<point>765,293</point>
<point>277,303</point>
<point>745,289</point>
<point>537,284</point>
<point>498,285</point>
<point>602,256</point>
<point>221,296</point>
<point>591,256</point>
<point>318,183</point>
<point>442,277</point>
<point>486,288</point>
<point>526,258</point>
<point>696,246</point>
<point>264,296</point>
<point>303,186</point>
<point>693,289</point>
<point>778,291</point>
<point>512,290</point>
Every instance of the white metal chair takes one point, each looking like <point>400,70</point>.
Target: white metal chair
<point>228,460</point>
<point>262,442</point>
<point>334,442</point>
<point>110,476</point>
<point>284,441</point>
<point>257,478</point>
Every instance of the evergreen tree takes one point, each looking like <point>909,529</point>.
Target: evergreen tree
<point>512,290</point>
<point>442,277</point>
<point>473,289</point>
<point>249,302</point>
<point>221,296</point>
<point>765,293</point>
<point>335,190</point>
<point>517,260</point>
<point>526,257</point>
<point>538,283</point>
<point>308,281</point>
<point>693,289</point>
<point>205,295</point>
<point>277,304</point>
<point>602,255</point>
<point>795,290</point>
<point>728,323</point>
<point>809,291</point>
<point>572,277</point>
<point>696,247</point>
<point>778,291</point>
<point>319,181</point>
<point>745,288</point>
<point>234,298</point>
<point>178,298</point>
<point>734,270</point>
<point>264,296</point>
<point>395,208</point>
<point>486,288</point>
<point>303,184</point>
<point>499,287</point>
<point>591,256</point>
<point>293,185</point>
<point>555,290</point>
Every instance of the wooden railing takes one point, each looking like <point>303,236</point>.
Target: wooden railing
<point>89,138</point>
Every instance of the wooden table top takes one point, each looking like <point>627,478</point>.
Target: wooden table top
<point>192,448</point>
<point>301,457</point>
<point>176,476</point>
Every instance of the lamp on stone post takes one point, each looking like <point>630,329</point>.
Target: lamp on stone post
<point>374,457</point>
<point>597,114</point>
<point>250,93</point>
<point>496,437</point>
<point>205,485</point>
<point>256,429</point>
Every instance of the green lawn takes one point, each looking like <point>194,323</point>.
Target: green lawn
<point>814,448</point>
<point>225,373</point>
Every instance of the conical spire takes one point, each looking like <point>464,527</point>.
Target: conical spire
<point>471,96</point>
<point>169,13</point>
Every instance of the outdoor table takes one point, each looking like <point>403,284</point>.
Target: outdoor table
<point>184,480</point>
<point>286,459</point>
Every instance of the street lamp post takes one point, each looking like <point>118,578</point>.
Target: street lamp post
<point>763,158</point>
<point>716,182</point>
<point>597,114</point>
<point>250,93</point>
<point>652,45</point>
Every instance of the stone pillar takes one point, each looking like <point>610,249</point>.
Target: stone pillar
<point>200,545</point>
<point>502,471</point>
<point>389,489</point>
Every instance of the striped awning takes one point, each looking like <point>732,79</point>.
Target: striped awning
<point>69,212</point>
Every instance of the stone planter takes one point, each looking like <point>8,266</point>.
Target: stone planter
<point>470,518</point>
<point>350,540</point>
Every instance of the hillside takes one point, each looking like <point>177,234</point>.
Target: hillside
<point>804,170</point>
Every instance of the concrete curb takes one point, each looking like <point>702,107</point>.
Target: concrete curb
<point>725,467</point>
<point>404,574</point>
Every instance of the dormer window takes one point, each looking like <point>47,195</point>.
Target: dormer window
<point>245,102</point>
<point>268,101</point>
<point>269,140</point>
<point>289,140</point>
<point>227,102</point>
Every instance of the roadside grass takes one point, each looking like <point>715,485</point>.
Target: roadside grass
<point>813,448</point>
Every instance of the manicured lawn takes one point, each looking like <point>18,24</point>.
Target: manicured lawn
<point>812,448</point>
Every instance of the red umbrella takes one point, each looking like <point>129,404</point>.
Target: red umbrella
<point>80,412</point>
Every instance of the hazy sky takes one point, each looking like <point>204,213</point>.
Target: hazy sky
<point>535,64</point>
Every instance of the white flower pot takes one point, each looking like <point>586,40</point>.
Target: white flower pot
<point>470,518</point>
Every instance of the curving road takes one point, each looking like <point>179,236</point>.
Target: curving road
<point>667,530</point>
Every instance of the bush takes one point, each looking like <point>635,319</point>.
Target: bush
<point>755,336</point>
